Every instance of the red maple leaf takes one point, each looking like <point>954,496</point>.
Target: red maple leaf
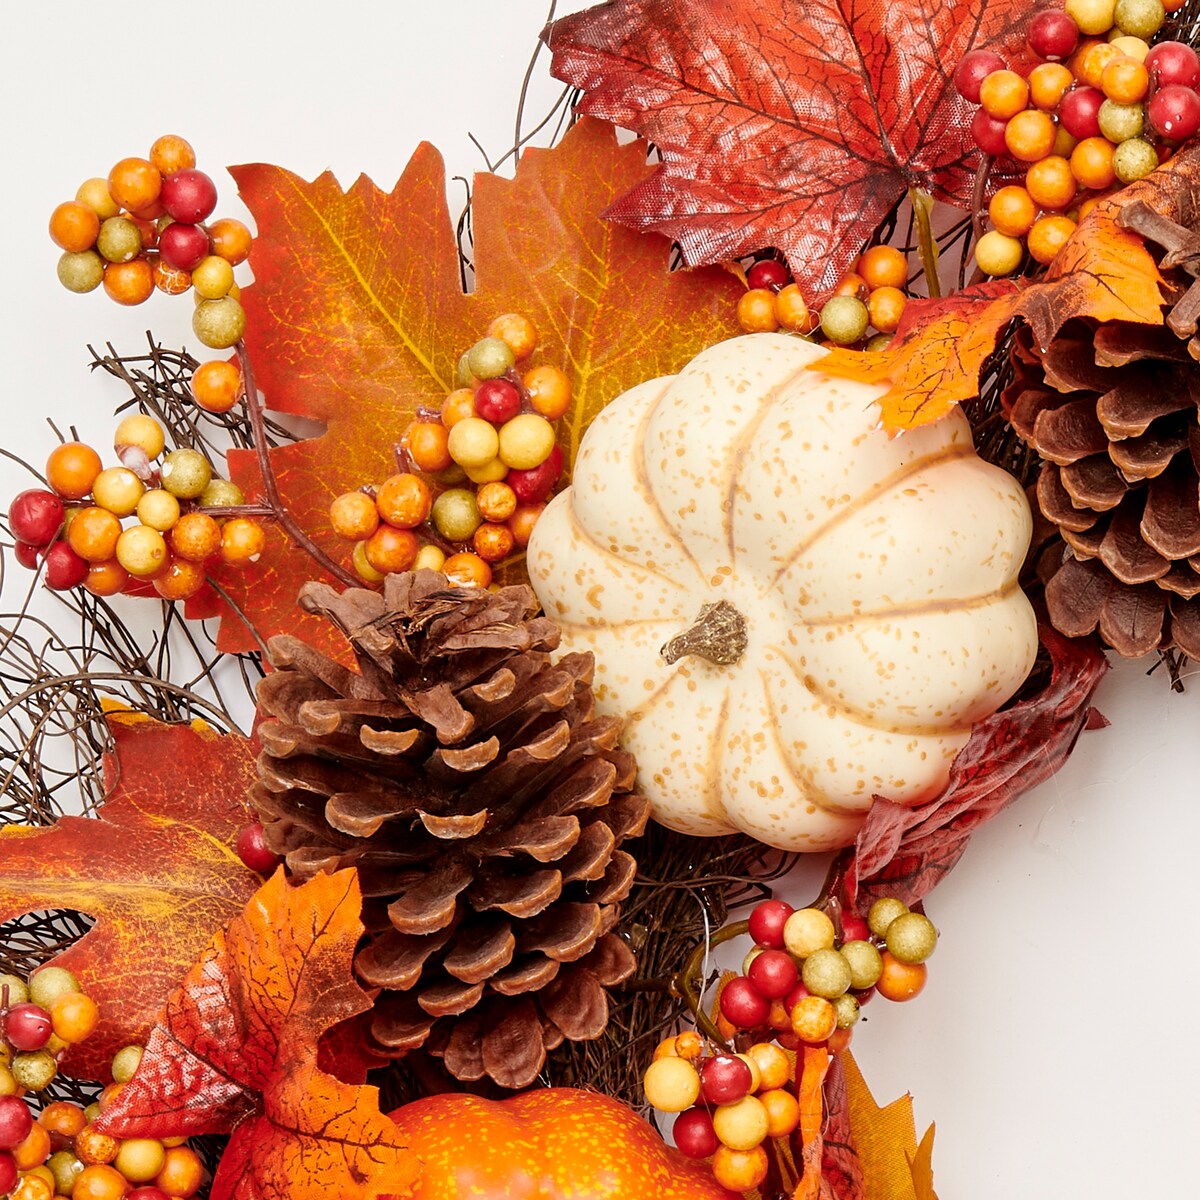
<point>786,124</point>
<point>156,868</point>
<point>357,317</point>
<point>237,1050</point>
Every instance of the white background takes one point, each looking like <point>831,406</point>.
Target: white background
<point>1054,1046</point>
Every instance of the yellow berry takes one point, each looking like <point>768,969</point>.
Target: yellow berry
<point>806,931</point>
<point>141,431</point>
<point>158,509</point>
<point>998,254</point>
<point>526,441</point>
<point>473,442</point>
<point>118,489</point>
<point>671,1084</point>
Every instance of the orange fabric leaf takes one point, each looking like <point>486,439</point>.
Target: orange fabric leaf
<point>814,1065</point>
<point>156,868</point>
<point>236,1050</point>
<point>357,317</point>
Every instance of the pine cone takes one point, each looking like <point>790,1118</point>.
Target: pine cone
<point>468,780</point>
<point>1113,409</point>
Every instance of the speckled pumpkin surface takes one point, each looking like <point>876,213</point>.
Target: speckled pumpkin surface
<point>876,578</point>
<point>548,1144</point>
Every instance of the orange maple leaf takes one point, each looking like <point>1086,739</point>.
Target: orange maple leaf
<point>357,317</point>
<point>236,1050</point>
<point>156,867</point>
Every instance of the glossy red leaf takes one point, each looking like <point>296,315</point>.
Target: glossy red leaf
<point>237,1050</point>
<point>783,124</point>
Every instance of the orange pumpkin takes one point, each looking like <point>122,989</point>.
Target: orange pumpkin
<point>548,1144</point>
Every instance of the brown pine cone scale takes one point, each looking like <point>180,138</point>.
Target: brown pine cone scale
<point>466,777</point>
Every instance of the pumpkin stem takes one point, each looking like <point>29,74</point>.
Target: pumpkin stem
<point>718,634</point>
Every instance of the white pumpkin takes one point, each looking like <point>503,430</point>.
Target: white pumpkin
<point>875,580</point>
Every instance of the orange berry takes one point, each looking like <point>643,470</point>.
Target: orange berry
<point>195,537</point>
<point>689,1045</point>
<point>549,391</point>
<point>467,570</point>
<point>883,266</point>
<point>1003,94</point>
<point>1012,211</point>
<point>110,1093</point>
<point>404,500</point>
<point>457,406</point>
<point>1048,83</point>
<point>63,1117</point>
<point>33,1187</point>
<point>99,1182</point>
<point>1124,80</point>
<point>813,1019</point>
<point>354,515</point>
<point>885,307</point>
<point>170,280</point>
<point>129,283</point>
<point>242,541</point>
<point>1050,183</point>
<point>1085,44</point>
<point>180,581</point>
<point>171,153</point>
<point>852,284</point>
<point>217,385</point>
<point>34,1150</point>
<point>390,550</point>
<point>428,444</point>
<point>1048,236</point>
<point>517,331</point>
<point>1089,67</point>
<point>1092,163</point>
<point>92,1147</point>
<point>135,183</point>
<point>900,981</point>
<point>493,542</point>
<point>140,1159</point>
<point>231,240</point>
<point>522,522</point>
<point>740,1170</point>
<point>497,501</point>
<point>106,578</point>
<point>783,1111</point>
<point>93,534</point>
<point>756,311</point>
<point>182,1172</point>
<point>774,1067</point>
<point>74,226</point>
<point>1029,135</point>
<point>839,1039</point>
<point>791,310</point>
<point>71,469</point>
<point>73,1014</point>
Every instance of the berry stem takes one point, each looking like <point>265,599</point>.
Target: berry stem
<point>688,983</point>
<point>922,207</point>
<point>977,208</point>
<point>254,409</point>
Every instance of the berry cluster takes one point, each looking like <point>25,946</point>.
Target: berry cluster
<point>802,983</point>
<point>1101,110</point>
<point>76,529</point>
<point>495,433</point>
<point>143,228</point>
<point>872,295</point>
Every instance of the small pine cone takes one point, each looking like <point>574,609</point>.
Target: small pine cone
<point>1112,408</point>
<point>466,777</point>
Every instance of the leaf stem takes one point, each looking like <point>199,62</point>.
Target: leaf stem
<point>254,409</point>
<point>922,206</point>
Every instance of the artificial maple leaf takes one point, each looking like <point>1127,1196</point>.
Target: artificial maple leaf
<point>357,317</point>
<point>156,868</point>
<point>236,1050</point>
<point>812,1066</point>
<point>786,124</point>
<point>905,852</point>
<point>840,1165</point>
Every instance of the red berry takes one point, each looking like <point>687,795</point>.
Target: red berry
<point>27,1026</point>
<point>35,516</point>
<point>1052,34</point>
<point>15,1123</point>
<point>1173,62</point>
<point>189,195</point>
<point>854,928</point>
<point>768,273</point>
<point>864,996</point>
<point>8,1172</point>
<point>988,133</point>
<point>725,1079</point>
<point>795,996</point>
<point>183,246</point>
<point>1174,112</point>
<point>496,400</point>
<point>743,1005</point>
<point>149,1192</point>
<point>693,1133</point>
<point>535,485</point>
<point>64,568</point>
<point>253,850</point>
<point>971,71</point>
<point>767,921</point>
<point>1079,112</point>
<point>773,974</point>
<point>27,554</point>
